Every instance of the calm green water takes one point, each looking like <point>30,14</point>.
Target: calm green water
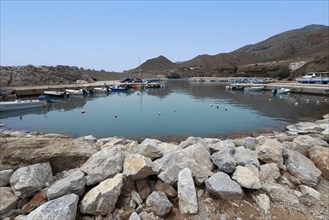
<point>151,113</point>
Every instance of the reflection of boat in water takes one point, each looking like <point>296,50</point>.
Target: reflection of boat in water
<point>21,104</point>
<point>280,91</point>
<point>254,88</point>
<point>22,112</point>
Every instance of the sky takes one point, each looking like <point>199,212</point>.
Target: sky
<point>112,35</point>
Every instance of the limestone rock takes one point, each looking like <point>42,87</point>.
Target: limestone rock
<point>320,157</point>
<point>134,216</point>
<point>63,208</point>
<point>25,181</point>
<point>248,142</point>
<point>217,146</point>
<point>269,173</point>
<point>245,156</point>
<point>101,199</point>
<point>143,187</point>
<point>309,196</point>
<point>221,185</point>
<point>246,178</point>
<point>187,199</point>
<point>8,200</point>
<point>301,167</point>
<point>280,193</point>
<point>224,160</point>
<point>158,203</point>
<point>102,165</point>
<point>194,157</point>
<point>5,177</point>
<point>305,141</point>
<point>74,183</point>
<point>166,188</point>
<point>270,152</point>
<point>61,153</point>
<point>148,150</point>
<point>137,166</point>
<point>263,201</point>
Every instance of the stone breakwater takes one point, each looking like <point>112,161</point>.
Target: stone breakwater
<point>273,176</point>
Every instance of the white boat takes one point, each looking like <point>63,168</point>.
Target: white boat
<point>21,104</point>
<point>101,90</point>
<point>55,93</point>
<point>314,78</point>
<point>75,91</point>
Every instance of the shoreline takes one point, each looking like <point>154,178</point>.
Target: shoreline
<point>297,88</point>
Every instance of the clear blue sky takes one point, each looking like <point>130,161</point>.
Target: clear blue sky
<point>110,35</point>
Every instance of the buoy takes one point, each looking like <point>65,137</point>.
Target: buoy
<point>159,113</point>
<point>296,103</point>
<point>116,115</point>
<point>225,108</point>
<point>269,99</point>
<point>174,109</point>
<point>307,100</point>
<point>217,106</point>
<point>210,105</point>
<point>83,111</point>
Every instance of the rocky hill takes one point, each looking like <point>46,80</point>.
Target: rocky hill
<point>43,75</point>
<point>305,48</point>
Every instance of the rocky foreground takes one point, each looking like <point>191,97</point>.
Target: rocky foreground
<point>272,176</point>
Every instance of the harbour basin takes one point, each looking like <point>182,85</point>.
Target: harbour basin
<point>180,109</point>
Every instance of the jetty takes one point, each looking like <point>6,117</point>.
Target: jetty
<point>314,89</point>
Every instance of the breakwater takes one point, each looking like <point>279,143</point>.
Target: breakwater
<point>277,175</point>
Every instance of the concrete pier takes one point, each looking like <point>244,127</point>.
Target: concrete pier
<point>315,89</point>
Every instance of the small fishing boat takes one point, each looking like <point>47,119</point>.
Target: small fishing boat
<point>75,91</point>
<point>118,88</point>
<point>101,90</point>
<point>55,93</point>
<point>21,104</point>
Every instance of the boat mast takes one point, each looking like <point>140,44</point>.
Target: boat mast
<point>139,67</point>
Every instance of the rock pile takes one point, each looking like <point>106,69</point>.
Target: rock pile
<point>200,178</point>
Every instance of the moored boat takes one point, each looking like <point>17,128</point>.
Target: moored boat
<point>118,88</point>
<point>55,93</point>
<point>101,90</point>
<point>21,104</point>
<point>76,91</point>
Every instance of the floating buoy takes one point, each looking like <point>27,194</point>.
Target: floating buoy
<point>225,108</point>
<point>174,109</point>
<point>307,100</point>
<point>296,103</point>
<point>83,111</point>
<point>217,106</point>
<point>210,105</point>
<point>116,115</point>
<point>159,113</point>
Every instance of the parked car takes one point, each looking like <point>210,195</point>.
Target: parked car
<point>309,76</point>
